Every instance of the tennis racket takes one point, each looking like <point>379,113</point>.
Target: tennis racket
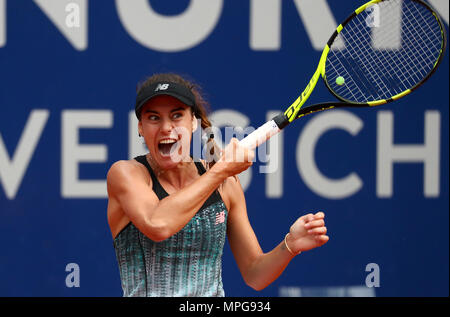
<point>382,52</point>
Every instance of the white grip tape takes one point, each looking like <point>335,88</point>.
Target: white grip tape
<point>260,135</point>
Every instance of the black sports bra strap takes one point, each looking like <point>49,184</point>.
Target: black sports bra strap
<point>200,168</point>
<point>215,196</point>
<point>161,192</point>
<point>157,188</point>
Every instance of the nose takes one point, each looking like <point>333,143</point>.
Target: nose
<point>167,126</point>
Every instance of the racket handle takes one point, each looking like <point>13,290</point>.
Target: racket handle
<point>260,135</point>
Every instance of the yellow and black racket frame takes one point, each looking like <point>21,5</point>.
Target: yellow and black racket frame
<point>295,111</point>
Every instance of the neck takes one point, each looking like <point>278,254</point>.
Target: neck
<point>177,176</point>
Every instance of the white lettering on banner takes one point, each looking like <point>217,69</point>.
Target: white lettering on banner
<point>441,6</point>
<point>169,34</point>
<point>427,153</point>
<point>274,169</point>
<point>265,25</point>
<point>224,118</point>
<point>311,175</point>
<point>394,27</point>
<point>13,170</point>
<point>327,291</point>
<point>70,18</point>
<point>319,22</point>
<point>2,23</point>
<point>74,153</point>
<point>189,29</point>
<point>136,144</point>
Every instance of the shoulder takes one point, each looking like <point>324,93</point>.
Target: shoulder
<point>230,185</point>
<point>233,183</point>
<point>232,191</point>
<point>125,171</point>
<point>123,168</point>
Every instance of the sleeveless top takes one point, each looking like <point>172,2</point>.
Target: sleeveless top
<point>189,263</point>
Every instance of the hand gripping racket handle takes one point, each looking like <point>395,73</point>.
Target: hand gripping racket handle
<point>260,135</point>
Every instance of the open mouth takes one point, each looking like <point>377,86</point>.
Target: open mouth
<point>167,146</point>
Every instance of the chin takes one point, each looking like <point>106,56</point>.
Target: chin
<point>166,162</point>
<point>171,161</point>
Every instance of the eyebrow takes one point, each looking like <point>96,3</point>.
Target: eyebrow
<point>153,111</point>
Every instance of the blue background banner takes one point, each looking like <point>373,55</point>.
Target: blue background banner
<point>68,74</point>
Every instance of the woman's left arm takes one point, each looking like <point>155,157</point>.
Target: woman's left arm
<point>260,269</point>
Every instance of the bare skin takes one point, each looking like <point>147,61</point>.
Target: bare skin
<point>131,197</point>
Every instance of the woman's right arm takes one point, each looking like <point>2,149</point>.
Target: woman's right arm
<point>160,219</point>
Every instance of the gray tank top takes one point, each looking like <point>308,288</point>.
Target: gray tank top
<point>188,263</point>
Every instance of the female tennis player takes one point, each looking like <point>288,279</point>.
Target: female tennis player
<point>169,214</point>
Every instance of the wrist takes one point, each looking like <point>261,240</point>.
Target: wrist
<point>218,173</point>
<point>288,248</point>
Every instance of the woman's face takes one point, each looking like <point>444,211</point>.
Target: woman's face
<point>167,125</point>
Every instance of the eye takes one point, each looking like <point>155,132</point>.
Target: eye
<point>153,117</point>
<point>177,115</point>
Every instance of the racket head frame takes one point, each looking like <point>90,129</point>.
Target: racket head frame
<point>349,103</point>
<point>296,111</point>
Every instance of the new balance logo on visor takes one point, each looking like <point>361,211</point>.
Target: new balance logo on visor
<point>162,87</point>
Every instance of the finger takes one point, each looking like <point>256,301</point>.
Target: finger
<point>250,155</point>
<point>314,224</point>
<point>320,230</point>
<point>319,215</point>
<point>310,217</point>
<point>306,218</point>
<point>322,239</point>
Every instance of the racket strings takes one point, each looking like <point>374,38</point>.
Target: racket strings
<point>376,60</point>
<point>427,56</point>
<point>377,63</point>
<point>403,60</point>
<point>407,59</point>
<point>374,68</point>
<point>370,63</point>
<point>364,61</point>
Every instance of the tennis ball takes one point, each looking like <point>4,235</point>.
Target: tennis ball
<point>340,80</point>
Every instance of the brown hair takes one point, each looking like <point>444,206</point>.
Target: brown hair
<point>200,109</point>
